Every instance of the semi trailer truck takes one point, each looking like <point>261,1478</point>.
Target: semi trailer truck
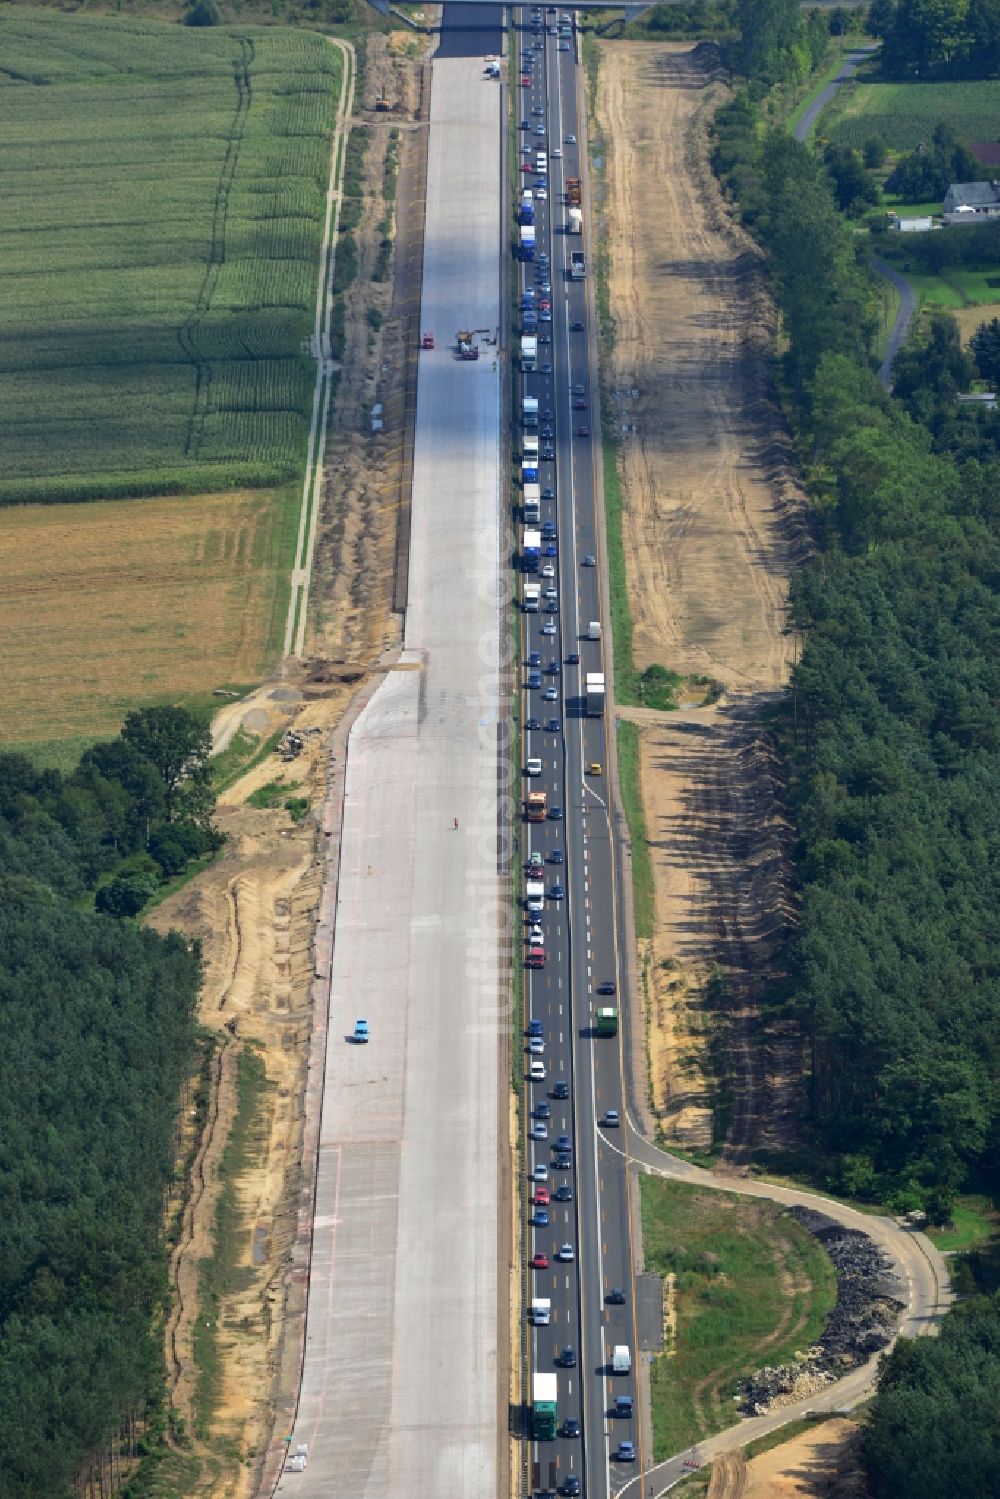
<point>544,1406</point>
<point>595,693</point>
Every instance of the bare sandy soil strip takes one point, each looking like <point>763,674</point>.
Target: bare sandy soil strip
<point>823,1463</point>
<point>714,524</point>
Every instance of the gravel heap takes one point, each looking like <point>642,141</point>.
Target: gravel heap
<point>862,1321</point>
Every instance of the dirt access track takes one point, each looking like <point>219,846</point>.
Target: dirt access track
<point>713,525</point>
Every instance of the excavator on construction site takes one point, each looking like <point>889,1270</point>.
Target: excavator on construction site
<point>466,339</point>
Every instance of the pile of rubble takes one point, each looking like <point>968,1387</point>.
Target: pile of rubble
<point>862,1321</point>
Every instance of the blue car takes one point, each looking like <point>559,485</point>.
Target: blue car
<point>535,1028</point>
<point>534,659</point>
<point>553,726</point>
<point>361,1031</point>
<point>540,1218</point>
<point>534,679</point>
<point>556,856</point>
<point>555,812</point>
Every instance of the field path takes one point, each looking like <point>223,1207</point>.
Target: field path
<point>298,601</point>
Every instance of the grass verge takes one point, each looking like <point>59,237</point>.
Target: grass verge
<point>222,1274</point>
<point>733,1259</point>
<point>630,783</point>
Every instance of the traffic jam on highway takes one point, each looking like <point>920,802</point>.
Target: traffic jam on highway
<point>580,1296</point>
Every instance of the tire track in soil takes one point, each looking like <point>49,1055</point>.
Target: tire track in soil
<point>706,1393</point>
<point>187,333</point>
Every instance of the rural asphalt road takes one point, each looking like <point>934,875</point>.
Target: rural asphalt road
<point>923,1280</point>
<point>907,296</point>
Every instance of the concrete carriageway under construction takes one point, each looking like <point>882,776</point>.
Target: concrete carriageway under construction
<point>399,1390</point>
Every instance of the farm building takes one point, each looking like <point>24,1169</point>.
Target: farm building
<point>972,202</point>
<point>910,226</point>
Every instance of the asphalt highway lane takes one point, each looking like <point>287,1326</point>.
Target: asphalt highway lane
<point>580,932</point>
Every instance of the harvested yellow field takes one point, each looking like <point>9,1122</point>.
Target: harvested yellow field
<point>109,605</point>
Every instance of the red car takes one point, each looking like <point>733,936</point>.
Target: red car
<point>526,166</point>
<point>540,1262</point>
<point>525,80</point>
<point>541,1198</point>
<point>545,305</point>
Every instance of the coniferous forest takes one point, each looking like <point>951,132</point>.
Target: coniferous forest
<point>96,1040</point>
<point>894,757</point>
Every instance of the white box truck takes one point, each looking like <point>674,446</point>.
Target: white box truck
<point>529,352</point>
<point>594,630</point>
<point>532,594</point>
<point>532,503</point>
<point>541,1311</point>
<point>621,1359</point>
<point>534,896</point>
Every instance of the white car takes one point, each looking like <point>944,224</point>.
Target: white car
<point>540,1173</point>
<point>565,1252</point>
<point>551,593</point>
<point>557,150</point>
<point>541,193</point>
<point>538,1132</point>
<point>536,934</point>
<point>536,1070</point>
<point>549,571</point>
<point>549,628</point>
<point>536,1046</point>
<point>550,695</point>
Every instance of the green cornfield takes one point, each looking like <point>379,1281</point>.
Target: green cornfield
<point>163,194</point>
<point>905,114</point>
